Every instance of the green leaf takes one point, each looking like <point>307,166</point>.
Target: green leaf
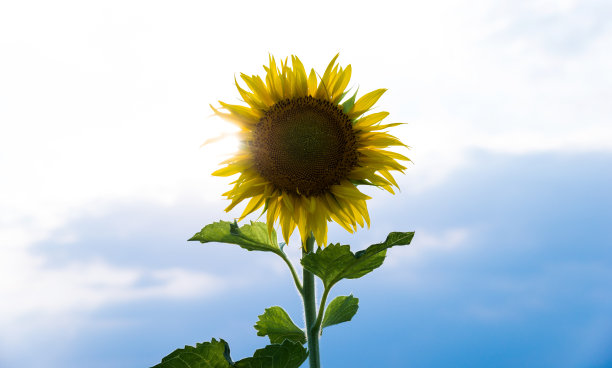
<point>341,309</point>
<point>278,326</point>
<point>214,354</point>
<point>289,354</point>
<point>250,237</point>
<point>336,262</point>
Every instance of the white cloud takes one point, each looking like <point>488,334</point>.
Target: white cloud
<point>428,245</point>
<point>33,286</point>
<point>40,298</point>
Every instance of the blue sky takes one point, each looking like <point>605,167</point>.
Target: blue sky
<point>103,108</point>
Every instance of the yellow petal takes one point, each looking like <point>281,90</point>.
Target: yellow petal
<point>366,102</point>
<point>312,83</point>
<point>323,90</point>
<point>253,205</point>
<point>243,123</point>
<point>228,171</point>
<point>371,119</point>
<point>378,127</point>
<point>381,141</point>
<point>273,80</point>
<point>356,215</point>
<point>362,209</point>
<point>341,83</point>
<point>286,222</point>
<point>389,177</point>
<point>242,111</point>
<point>301,84</point>
<point>348,190</point>
<point>393,155</point>
<point>258,87</point>
<point>249,98</point>
<point>272,214</point>
<point>373,158</point>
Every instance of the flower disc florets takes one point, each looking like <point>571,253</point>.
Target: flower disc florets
<point>304,146</point>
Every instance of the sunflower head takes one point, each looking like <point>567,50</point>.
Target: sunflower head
<point>305,148</point>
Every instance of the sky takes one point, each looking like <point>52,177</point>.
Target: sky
<point>103,110</point>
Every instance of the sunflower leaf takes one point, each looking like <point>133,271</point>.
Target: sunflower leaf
<point>341,309</point>
<point>214,354</point>
<point>289,354</point>
<point>337,262</point>
<point>278,326</point>
<point>250,237</point>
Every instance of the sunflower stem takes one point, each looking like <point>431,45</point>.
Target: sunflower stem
<point>321,309</point>
<point>296,278</point>
<point>310,310</point>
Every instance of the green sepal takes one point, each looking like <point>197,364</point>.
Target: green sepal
<point>289,354</point>
<point>341,309</point>
<point>343,95</point>
<point>336,262</point>
<point>278,326</point>
<point>250,237</point>
<point>348,104</point>
<point>213,354</point>
<point>357,182</point>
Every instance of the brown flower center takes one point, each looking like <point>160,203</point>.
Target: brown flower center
<point>304,145</point>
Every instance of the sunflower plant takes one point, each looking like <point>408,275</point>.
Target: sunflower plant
<point>306,147</point>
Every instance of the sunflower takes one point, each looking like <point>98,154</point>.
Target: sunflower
<point>304,151</point>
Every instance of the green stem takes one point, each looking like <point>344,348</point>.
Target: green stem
<point>317,326</point>
<point>296,279</point>
<point>310,310</point>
